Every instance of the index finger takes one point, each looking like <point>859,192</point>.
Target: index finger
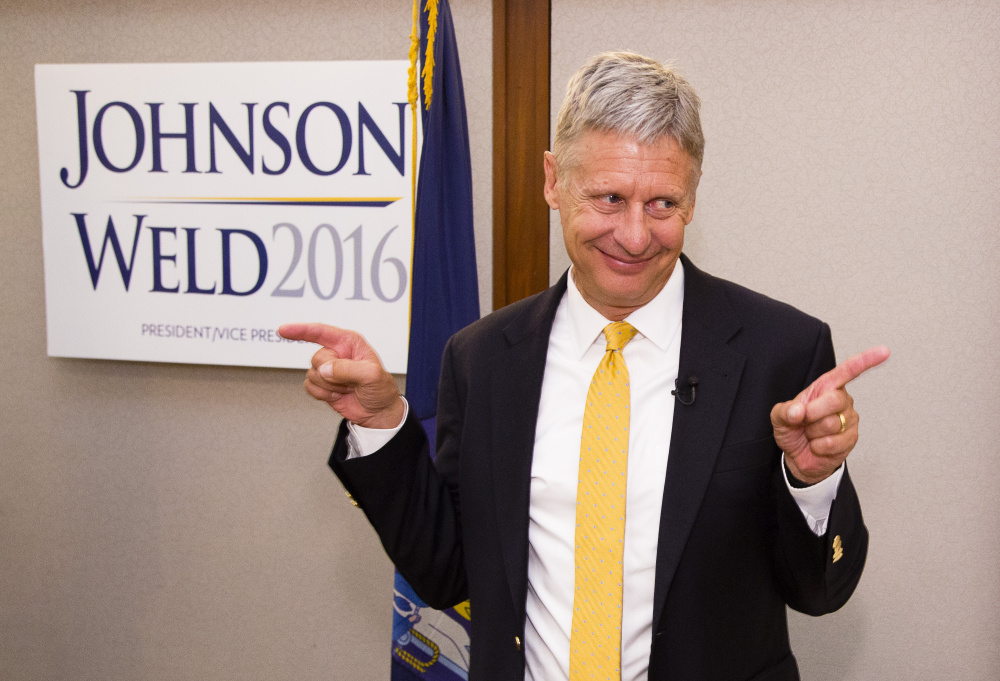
<point>323,334</point>
<point>848,370</point>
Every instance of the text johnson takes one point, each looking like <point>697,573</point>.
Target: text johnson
<point>274,117</point>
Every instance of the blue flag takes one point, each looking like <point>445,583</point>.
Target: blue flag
<point>430,644</point>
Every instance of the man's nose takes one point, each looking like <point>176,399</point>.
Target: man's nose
<point>633,232</point>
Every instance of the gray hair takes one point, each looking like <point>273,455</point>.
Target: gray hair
<point>632,95</point>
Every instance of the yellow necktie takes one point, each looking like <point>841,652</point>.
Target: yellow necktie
<point>596,635</point>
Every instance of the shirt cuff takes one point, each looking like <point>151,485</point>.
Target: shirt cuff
<point>815,500</point>
<point>363,441</point>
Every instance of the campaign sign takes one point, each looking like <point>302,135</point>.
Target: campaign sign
<point>189,209</point>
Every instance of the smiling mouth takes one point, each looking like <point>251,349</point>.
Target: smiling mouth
<point>626,263</point>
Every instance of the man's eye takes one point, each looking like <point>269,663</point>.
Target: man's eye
<point>661,207</point>
<point>612,199</point>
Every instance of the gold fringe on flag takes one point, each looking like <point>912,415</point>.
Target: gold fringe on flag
<point>411,91</point>
<point>428,73</point>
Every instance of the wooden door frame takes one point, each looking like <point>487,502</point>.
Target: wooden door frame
<point>521,74</point>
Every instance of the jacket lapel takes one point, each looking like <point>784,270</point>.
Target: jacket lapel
<point>515,388</point>
<point>708,323</point>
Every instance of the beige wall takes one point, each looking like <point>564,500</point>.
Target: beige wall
<point>169,522</point>
<point>162,522</point>
<point>852,168</point>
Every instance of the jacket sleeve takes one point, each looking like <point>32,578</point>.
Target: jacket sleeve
<point>818,574</point>
<point>411,504</point>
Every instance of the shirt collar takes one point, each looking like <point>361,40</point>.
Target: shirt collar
<point>657,320</point>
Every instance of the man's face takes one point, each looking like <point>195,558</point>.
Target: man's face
<point>623,209</point>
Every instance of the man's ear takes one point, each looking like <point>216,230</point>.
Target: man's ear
<point>551,181</point>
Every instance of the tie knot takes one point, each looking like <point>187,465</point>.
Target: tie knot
<point>618,334</point>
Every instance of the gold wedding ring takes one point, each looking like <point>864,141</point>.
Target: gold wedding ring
<point>843,422</point>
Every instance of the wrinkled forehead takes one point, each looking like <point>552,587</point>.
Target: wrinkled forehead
<point>594,149</point>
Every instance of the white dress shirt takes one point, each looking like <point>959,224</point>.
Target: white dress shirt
<point>576,346</point>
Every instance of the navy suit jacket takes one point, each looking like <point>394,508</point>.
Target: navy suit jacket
<point>733,546</point>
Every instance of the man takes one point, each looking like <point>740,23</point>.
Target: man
<point>721,413</point>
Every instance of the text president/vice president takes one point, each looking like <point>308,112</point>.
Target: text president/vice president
<point>736,498</point>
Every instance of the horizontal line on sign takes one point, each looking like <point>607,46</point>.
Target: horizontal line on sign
<point>351,201</point>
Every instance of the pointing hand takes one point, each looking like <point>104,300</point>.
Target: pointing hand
<point>819,428</point>
<point>348,375</point>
